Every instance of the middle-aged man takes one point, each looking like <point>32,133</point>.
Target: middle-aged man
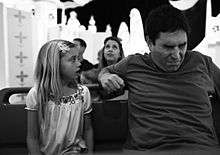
<point>168,100</point>
<point>85,64</point>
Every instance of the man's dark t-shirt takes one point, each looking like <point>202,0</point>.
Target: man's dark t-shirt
<point>169,108</point>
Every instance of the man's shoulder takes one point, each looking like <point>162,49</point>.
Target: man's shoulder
<point>196,54</point>
<point>139,59</point>
<point>138,56</point>
<point>195,57</point>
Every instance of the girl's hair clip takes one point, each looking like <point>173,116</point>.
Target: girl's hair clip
<point>63,47</point>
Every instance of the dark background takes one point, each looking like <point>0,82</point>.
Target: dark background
<point>113,12</point>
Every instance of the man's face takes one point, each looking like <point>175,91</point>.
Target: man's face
<point>169,50</point>
<point>81,49</point>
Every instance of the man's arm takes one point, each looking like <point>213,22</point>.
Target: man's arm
<point>112,77</point>
<point>110,82</point>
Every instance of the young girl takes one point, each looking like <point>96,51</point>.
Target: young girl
<point>58,108</point>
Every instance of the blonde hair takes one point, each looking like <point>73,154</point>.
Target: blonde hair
<point>47,71</point>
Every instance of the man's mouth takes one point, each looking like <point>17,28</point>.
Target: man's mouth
<point>173,63</point>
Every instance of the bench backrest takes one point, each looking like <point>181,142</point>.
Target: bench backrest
<point>109,121</point>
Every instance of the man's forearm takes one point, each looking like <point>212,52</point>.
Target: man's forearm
<point>103,71</point>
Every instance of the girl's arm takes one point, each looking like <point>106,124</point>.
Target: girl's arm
<point>88,132</point>
<point>33,133</point>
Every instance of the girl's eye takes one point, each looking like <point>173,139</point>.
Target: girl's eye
<point>74,58</point>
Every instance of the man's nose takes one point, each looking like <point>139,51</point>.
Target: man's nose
<point>176,53</point>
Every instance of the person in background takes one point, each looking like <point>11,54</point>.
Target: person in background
<point>111,53</point>
<point>87,77</point>
<point>169,108</point>
<point>58,108</point>
<point>98,58</point>
<point>85,64</point>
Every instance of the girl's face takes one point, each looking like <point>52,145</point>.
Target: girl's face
<point>111,51</point>
<point>70,64</point>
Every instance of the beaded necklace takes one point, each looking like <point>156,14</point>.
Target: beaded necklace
<point>71,98</point>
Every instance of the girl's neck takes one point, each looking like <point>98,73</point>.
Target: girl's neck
<point>69,88</point>
<point>70,83</point>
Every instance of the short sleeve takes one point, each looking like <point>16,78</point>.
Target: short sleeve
<point>214,73</point>
<point>31,100</point>
<point>120,68</point>
<point>87,105</point>
<point>216,76</point>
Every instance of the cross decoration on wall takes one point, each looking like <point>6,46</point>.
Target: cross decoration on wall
<point>19,16</point>
<point>216,28</point>
<point>21,57</point>
<point>21,76</point>
<point>20,37</point>
<point>22,97</point>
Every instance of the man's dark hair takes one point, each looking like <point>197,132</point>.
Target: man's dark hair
<point>82,42</point>
<point>165,18</point>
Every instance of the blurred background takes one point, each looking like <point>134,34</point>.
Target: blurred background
<point>27,24</point>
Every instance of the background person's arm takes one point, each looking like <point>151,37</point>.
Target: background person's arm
<point>112,77</point>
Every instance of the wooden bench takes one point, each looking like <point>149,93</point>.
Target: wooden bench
<point>109,118</point>
<point>109,122</point>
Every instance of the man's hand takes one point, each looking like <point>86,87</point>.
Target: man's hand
<point>111,82</point>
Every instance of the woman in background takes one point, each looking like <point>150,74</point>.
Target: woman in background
<point>111,53</point>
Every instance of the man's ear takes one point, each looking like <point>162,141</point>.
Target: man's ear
<point>149,42</point>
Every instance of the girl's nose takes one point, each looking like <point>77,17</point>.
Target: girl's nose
<point>78,63</point>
